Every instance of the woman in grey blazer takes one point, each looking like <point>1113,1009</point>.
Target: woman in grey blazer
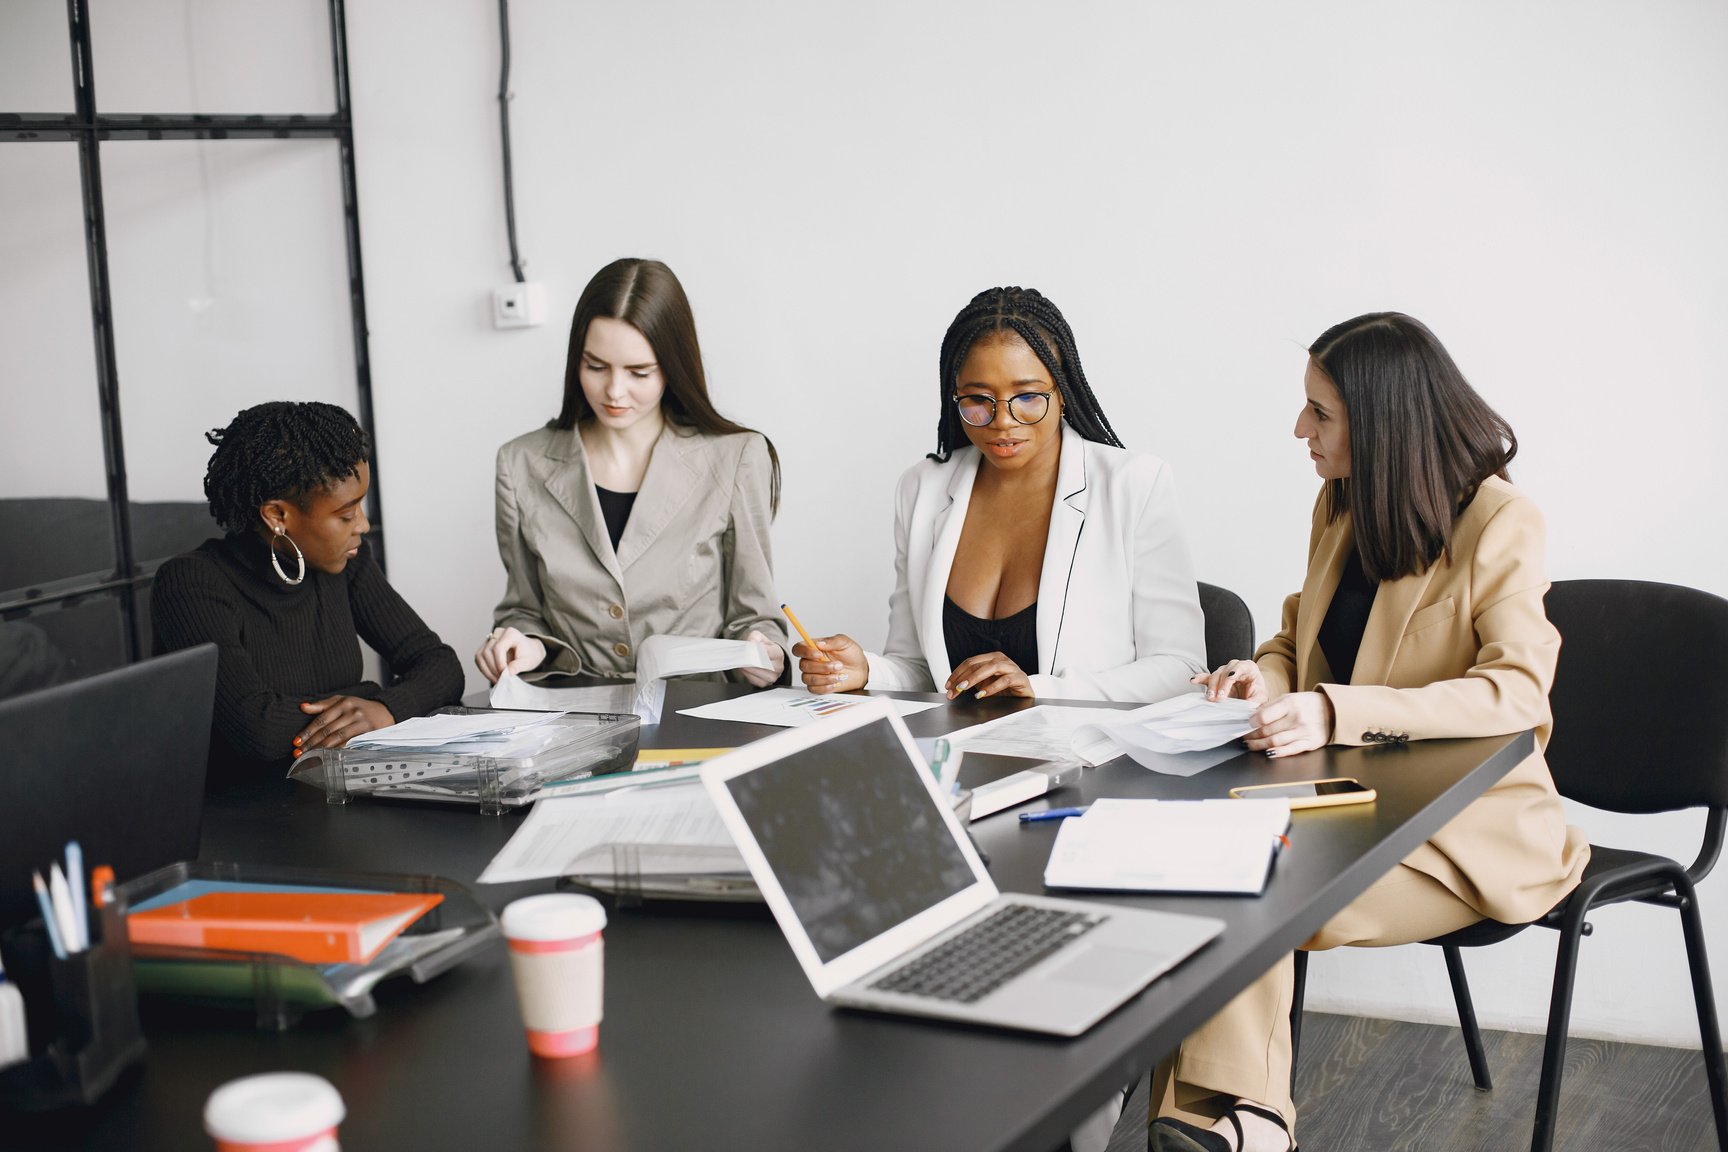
<point>640,511</point>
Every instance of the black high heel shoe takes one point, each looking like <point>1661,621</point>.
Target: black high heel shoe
<point>1168,1134</point>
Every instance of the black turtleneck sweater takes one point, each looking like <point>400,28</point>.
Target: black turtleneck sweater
<point>280,645</point>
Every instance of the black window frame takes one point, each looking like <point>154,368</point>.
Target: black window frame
<point>89,129</point>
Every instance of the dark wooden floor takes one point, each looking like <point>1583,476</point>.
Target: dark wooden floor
<point>1369,1085</point>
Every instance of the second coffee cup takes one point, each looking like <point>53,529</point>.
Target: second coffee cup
<point>556,956</point>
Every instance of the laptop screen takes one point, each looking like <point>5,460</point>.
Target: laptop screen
<point>851,834</point>
<point>115,760</point>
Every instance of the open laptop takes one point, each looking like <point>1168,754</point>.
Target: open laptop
<point>115,761</point>
<point>887,905</point>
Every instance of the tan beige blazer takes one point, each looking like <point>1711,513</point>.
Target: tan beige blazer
<point>1463,649</point>
<point>694,559</point>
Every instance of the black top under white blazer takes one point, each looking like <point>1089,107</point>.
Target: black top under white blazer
<point>1118,610</point>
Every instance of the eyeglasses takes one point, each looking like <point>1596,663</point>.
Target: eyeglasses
<point>1026,408</point>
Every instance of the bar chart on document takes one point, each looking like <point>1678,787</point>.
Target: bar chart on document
<point>790,708</point>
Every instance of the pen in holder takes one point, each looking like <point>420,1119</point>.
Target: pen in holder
<point>82,1012</point>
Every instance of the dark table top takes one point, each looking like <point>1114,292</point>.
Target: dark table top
<point>712,1036</point>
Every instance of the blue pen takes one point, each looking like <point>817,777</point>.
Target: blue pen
<point>75,881</point>
<point>1052,814</point>
<point>47,915</point>
<point>939,762</point>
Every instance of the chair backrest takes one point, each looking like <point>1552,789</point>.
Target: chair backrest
<point>1229,625</point>
<point>1640,696</point>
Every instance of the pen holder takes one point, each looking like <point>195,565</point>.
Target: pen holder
<point>82,1013</point>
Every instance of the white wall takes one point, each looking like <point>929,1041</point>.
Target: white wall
<point>1202,188</point>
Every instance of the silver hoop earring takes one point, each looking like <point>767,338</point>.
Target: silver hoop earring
<point>299,557</point>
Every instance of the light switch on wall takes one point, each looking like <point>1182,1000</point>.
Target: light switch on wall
<point>521,305</point>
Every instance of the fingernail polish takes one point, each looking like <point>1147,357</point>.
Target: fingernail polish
<point>296,741</point>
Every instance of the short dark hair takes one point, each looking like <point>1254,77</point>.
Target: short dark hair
<point>282,450</point>
<point>647,296</point>
<point>1025,312</point>
<point>1421,440</point>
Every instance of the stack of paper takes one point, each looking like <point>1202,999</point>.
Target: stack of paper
<point>479,734</point>
<point>1169,846</point>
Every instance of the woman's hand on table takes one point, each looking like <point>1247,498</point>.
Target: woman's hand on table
<point>989,674</point>
<point>508,650</point>
<point>1240,679</point>
<point>1295,722</point>
<point>765,677</point>
<point>836,664</point>
<point>340,719</point>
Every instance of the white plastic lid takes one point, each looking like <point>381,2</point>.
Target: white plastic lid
<point>271,1107</point>
<point>555,916</point>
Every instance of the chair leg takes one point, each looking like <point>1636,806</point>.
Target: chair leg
<point>1559,1022</point>
<point>1296,997</point>
<point>1467,1019</point>
<point>1709,1033</point>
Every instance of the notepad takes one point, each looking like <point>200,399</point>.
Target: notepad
<point>316,927</point>
<point>1223,846</point>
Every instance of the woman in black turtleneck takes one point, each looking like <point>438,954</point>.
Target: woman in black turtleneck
<point>288,594</point>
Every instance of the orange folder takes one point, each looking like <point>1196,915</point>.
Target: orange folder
<point>317,927</point>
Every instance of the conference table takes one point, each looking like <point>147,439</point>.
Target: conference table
<point>712,1037</point>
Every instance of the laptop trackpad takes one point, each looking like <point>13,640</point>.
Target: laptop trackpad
<point>1109,967</point>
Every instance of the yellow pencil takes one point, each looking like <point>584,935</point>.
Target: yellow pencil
<point>784,608</point>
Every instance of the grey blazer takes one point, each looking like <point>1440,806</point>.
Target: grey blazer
<point>694,559</point>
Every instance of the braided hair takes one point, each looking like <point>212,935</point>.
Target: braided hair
<point>1026,313</point>
<point>283,450</point>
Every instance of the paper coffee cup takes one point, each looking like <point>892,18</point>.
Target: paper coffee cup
<point>556,956</point>
<point>275,1111</point>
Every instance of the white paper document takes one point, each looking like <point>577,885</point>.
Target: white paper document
<point>512,691</point>
<point>485,733</point>
<point>1169,736</point>
<point>1042,732</point>
<point>1169,846</point>
<point>560,831</point>
<point>657,658</point>
<point>792,708</point>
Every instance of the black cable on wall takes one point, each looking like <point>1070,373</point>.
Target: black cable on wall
<point>504,123</point>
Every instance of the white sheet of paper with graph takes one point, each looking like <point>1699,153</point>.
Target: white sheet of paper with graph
<point>792,708</point>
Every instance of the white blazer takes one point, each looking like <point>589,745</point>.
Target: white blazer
<point>1118,610</point>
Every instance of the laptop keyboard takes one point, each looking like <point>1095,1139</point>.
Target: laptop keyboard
<point>976,962</point>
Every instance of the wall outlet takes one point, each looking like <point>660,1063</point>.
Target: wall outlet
<point>519,305</point>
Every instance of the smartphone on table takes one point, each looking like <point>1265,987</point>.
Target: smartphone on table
<point>1309,793</point>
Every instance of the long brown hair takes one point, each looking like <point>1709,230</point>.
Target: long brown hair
<point>1421,440</point>
<point>647,296</point>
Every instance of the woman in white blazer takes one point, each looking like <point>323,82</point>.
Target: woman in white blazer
<point>640,511</point>
<point>1035,556</point>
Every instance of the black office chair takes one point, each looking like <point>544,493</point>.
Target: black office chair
<point>1640,704</point>
<point>1229,626</point>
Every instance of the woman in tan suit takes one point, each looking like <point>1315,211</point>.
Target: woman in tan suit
<point>1421,617</point>
<point>640,511</point>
